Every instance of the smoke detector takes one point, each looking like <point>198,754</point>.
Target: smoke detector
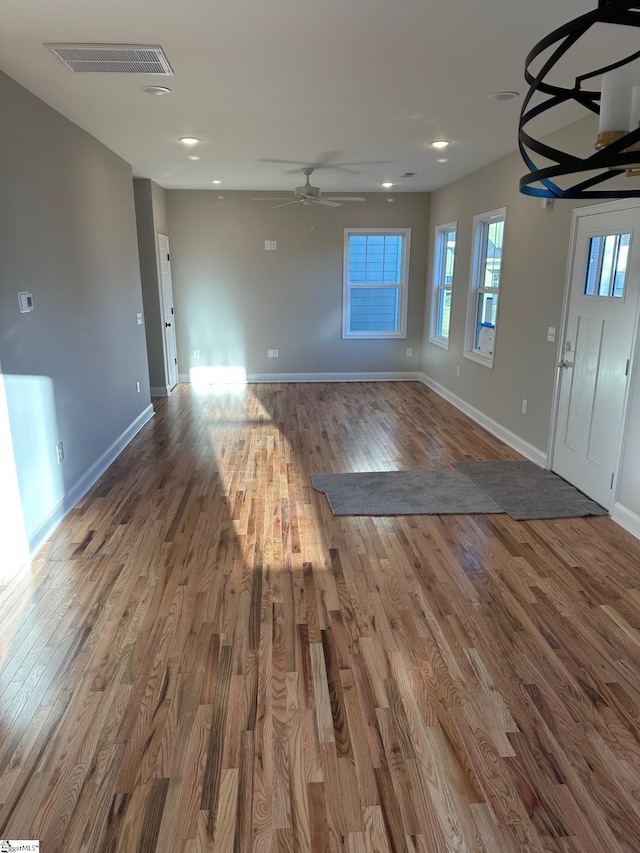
<point>112,58</point>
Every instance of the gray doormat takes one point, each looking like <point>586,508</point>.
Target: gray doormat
<point>403,493</point>
<point>526,491</point>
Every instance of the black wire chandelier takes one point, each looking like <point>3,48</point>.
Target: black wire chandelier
<point>617,104</point>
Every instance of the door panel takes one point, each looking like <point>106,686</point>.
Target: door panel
<point>598,343</point>
<point>170,346</point>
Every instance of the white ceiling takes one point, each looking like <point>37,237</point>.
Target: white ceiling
<point>302,80</point>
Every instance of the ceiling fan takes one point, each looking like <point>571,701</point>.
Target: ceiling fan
<point>311,195</point>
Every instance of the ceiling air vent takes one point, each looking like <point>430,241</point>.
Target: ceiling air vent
<point>112,58</point>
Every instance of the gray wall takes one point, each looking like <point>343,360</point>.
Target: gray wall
<point>535,254</point>
<point>234,300</point>
<point>151,219</point>
<point>68,235</point>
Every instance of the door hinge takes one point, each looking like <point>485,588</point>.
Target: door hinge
<point>168,256</point>
<point>626,370</point>
<point>176,361</point>
<point>612,476</point>
<point>172,309</point>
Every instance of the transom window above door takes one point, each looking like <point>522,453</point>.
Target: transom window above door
<point>607,265</point>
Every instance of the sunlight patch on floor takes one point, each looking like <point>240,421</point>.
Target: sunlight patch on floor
<point>211,380</point>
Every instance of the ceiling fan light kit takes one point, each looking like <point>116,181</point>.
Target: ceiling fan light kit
<point>617,103</point>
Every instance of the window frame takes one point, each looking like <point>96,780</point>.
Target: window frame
<point>402,286</point>
<point>438,286</point>
<point>481,221</point>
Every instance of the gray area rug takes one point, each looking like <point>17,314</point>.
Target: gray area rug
<point>521,489</point>
<point>403,493</point>
<point>527,492</point>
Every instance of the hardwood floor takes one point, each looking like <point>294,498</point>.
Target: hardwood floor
<point>204,658</point>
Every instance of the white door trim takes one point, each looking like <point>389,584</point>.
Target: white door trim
<point>578,213</point>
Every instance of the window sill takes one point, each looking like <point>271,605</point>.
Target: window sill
<point>372,336</point>
<point>439,342</point>
<point>484,360</point>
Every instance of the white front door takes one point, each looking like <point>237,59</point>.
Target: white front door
<point>597,350</point>
<point>170,348</point>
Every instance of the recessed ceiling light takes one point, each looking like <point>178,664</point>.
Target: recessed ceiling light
<point>504,96</point>
<point>193,157</point>
<point>156,90</point>
<point>391,199</point>
<point>189,140</point>
<point>443,159</point>
<point>387,184</point>
<point>440,143</point>
<point>216,181</point>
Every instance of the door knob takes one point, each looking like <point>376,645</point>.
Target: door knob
<point>564,364</point>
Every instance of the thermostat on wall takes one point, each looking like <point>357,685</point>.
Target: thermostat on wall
<point>25,301</point>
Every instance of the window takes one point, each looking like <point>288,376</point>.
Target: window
<point>445,252</point>
<point>376,273</point>
<point>486,270</point>
<point>607,265</point>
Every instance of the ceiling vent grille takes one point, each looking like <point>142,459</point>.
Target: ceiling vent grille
<point>112,58</point>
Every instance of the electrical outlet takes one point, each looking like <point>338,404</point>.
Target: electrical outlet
<point>524,407</point>
<point>409,352</point>
<point>137,387</point>
<point>25,301</point>
<point>196,353</point>
<point>273,353</point>
<point>59,452</point>
<point>551,334</point>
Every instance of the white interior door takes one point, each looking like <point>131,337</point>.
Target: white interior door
<point>170,347</point>
<point>605,276</point>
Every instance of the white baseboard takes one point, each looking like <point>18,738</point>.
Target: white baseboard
<point>184,377</point>
<point>160,390</point>
<point>389,376</point>
<point>533,453</point>
<point>82,486</point>
<point>626,518</point>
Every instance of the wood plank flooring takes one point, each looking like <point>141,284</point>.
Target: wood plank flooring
<point>204,658</point>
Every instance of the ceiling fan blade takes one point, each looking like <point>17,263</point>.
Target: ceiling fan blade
<point>368,163</point>
<point>269,198</point>
<point>326,160</point>
<point>326,202</point>
<point>344,197</point>
<point>323,160</point>
<point>295,201</point>
<point>342,167</point>
<point>285,162</point>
